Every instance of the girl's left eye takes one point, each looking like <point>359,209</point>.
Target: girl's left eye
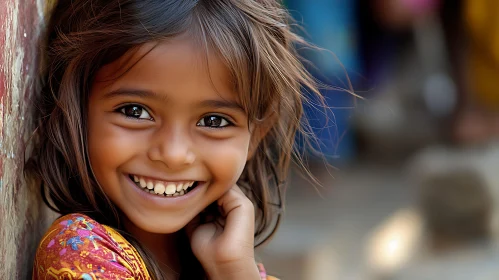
<point>135,112</point>
<point>214,121</point>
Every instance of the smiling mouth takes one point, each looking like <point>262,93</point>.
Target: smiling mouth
<point>163,188</point>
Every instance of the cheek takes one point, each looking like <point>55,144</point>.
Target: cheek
<point>226,161</point>
<point>109,146</point>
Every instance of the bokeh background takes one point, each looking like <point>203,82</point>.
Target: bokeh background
<point>411,186</point>
<point>408,182</point>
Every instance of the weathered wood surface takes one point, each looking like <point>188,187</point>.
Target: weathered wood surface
<point>21,24</point>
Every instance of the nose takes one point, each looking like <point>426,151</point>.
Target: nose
<point>172,147</point>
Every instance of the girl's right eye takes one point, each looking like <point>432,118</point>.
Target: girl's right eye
<point>135,111</point>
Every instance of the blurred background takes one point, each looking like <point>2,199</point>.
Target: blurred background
<point>409,187</point>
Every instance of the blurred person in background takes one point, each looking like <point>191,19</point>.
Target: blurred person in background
<point>406,55</point>
<point>456,207</point>
<point>469,55</point>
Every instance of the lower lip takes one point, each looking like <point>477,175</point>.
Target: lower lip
<point>165,201</point>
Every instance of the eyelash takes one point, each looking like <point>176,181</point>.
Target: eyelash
<point>122,111</point>
<point>229,123</point>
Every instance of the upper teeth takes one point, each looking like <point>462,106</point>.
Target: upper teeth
<point>162,187</point>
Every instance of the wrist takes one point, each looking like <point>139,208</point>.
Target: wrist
<point>241,270</point>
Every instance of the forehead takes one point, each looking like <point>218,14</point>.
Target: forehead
<point>175,60</point>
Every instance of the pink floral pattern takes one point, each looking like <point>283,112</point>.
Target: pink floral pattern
<point>77,247</point>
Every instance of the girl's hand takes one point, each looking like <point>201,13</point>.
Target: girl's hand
<point>225,247</point>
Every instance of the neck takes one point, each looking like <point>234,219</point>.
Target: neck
<point>164,248</point>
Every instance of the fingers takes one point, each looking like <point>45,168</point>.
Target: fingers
<point>238,217</point>
<point>239,214</point>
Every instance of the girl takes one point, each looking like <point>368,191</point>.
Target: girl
<point>164,131</point>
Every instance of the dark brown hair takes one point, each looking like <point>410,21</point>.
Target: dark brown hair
<point>254,40</point>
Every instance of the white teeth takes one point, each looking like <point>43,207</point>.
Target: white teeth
<point>170,189</point>
<point>143,183</point>
<point>159,188</point>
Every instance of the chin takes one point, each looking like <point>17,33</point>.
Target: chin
<point>166,225</point>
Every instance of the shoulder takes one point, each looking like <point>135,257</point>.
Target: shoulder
<point>71,232</point>
<point>78,247</point>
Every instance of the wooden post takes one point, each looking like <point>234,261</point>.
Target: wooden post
<point>21,210</point>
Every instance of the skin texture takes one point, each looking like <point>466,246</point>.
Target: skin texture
<point>175,85</point>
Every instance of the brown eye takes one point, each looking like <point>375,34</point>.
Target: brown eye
<point>135,111</point>
<point>213,121</point>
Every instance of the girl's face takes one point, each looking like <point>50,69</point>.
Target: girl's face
<point>168,137</point>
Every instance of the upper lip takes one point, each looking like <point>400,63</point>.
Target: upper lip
<point>162,179</point>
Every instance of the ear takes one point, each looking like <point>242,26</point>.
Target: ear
<point>259,131</point>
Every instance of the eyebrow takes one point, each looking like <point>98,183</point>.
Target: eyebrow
<point>222,104</point>
<point>135,93</point>
<point>211,103</point>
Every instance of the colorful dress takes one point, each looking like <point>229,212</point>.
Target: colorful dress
<point>78,247</point>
